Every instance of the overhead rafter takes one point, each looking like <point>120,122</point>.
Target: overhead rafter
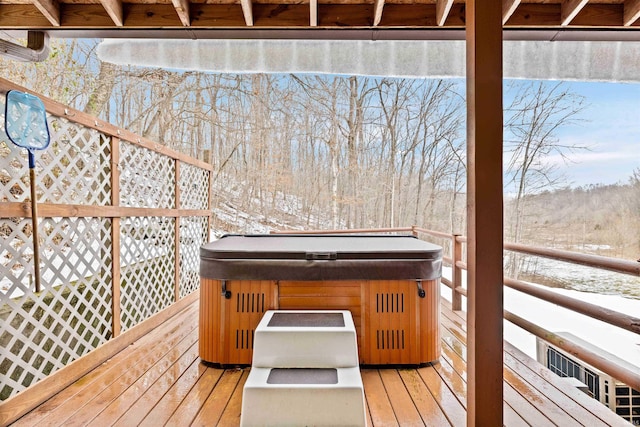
<point>443,7</point>
<point>247,11</point>
<point>50,9</point>
<point>508,7</point>
<point>377,12</point>
<point>631,12</point>
<point>114,10</point>
<point>182,8</point>
<point>313,13</point>
<point>570,8</point>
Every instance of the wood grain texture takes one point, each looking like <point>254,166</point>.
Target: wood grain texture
<point>160,380</point>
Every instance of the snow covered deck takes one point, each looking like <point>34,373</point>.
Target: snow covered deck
<point>160,380</point>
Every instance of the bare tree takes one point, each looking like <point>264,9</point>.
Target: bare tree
<point>532,121</point>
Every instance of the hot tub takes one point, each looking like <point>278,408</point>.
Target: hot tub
<point>390,284</point>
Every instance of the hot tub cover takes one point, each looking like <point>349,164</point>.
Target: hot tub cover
<point>320,257</point>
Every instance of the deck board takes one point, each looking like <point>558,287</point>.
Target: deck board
<point>159,380</point>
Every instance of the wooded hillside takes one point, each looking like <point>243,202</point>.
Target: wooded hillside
<point>348,152</point>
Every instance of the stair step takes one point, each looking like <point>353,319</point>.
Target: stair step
<point>305,339</point>
<point>298,397</point>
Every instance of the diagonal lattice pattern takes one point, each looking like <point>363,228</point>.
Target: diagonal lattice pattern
<point>194,187</point>
<point>147,250</point>
<point>76,167</point>
<point>193,234</point>
<point>42,332</point>
<point>147,179</point>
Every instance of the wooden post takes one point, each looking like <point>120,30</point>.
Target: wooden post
<point>484,213</point>
<point>115,237</point>
<point>456,273</point>
<point>177,231</point>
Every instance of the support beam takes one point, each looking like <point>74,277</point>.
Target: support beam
<point>570,8</point>
<point>443,7</point>
<point>50,9</point>
<point>247,11</point>
<point>508,7</point>
<point>377,12</point>
<point>631,12</point>
<point>114,10</point>
<point>484,213</point>
<point>182,8</point>
<point>313,13</point>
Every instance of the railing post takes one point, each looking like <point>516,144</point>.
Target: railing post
<point>414,230</point>
<point>456,272</point>
<point>115,238</point>
<point>177,231</point>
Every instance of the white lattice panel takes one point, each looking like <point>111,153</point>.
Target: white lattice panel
<point>147,179</point>
<point>193,234</point>
<point>76,167</point>
<point>40,333</point>
<point>147,250</point>
<point>194,187</point>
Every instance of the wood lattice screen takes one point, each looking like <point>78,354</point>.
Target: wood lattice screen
<point>121,223</point>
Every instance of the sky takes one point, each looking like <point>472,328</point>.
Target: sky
<point>611,131</point>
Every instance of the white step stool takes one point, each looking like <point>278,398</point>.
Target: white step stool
<point>303,397</point>
<point>305,371</point>
<point>305,339</point>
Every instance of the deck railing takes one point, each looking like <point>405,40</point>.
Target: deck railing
<point>121,222</point>
<point>454,246</point>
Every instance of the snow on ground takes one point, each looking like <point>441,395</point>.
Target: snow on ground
<point>620,342</point>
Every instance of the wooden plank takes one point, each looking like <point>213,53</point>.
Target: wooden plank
<point>13,408</point>
<point>517,360</point>
<point>379,405</point>
<point>192,403</point>
<point>141,406</point>
<point>378,6</point>
<point>50,9</point>
<point>401,402</point>
<point>313,13</point>
<point>176,234</point>
<point>231,415</point>
<point>484,213</point>
<point>214,406</point>
<point>525,408</point>
<point>114,10</point>
<point>569,10</point>
<point>13,209</point>
<point>443,7</point>
<point>247,12</point>
<point>182,9</point>
<point>631,12</point>
<point>543,402</point>
<point>167,405</point>
<point>508,7</point>
<point>106,405</point>
<point>446,399</point>
<point>431,413</point>
<point>164,341</point>
<point>512,418</point>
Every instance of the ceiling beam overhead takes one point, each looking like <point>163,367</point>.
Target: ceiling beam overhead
<point>508,7</point>
<point>377,12</point>
<point>631,12</point>
<point>50,9</point>
<point>313,13</point>
<point>443,7</point>
<point>247,11</point>
<point>182,8</point>
<point>570,8</point>
<point>114,10</point>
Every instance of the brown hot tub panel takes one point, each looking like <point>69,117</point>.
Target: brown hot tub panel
<point>390,284</point>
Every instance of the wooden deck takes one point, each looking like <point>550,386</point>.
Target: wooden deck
<point>159,380</point>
